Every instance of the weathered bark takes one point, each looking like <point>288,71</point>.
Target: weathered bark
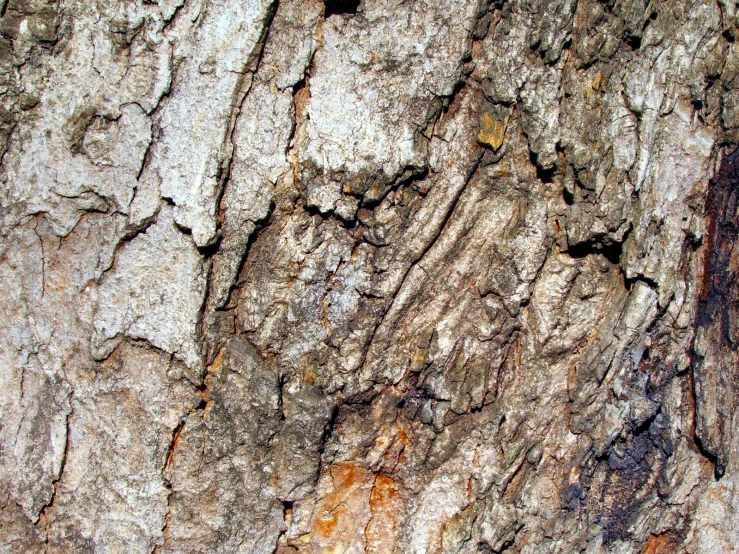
<point>369,276</point>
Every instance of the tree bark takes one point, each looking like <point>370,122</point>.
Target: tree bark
<point>379,276</point>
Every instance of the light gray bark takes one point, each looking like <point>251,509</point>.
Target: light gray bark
<point>382,276</point>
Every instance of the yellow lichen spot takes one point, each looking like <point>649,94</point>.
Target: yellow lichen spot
<point>492,131</point>
<point>598,81</point>
<point>419,359</point>
<point>309,377</point>
<point>218,362</point>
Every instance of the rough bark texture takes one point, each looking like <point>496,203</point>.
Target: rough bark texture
<point>383,276</point>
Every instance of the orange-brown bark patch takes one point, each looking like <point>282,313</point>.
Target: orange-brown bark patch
<point>658,544</point>
<point>386,505</point>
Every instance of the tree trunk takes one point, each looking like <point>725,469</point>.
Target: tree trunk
<point>383,276</point>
